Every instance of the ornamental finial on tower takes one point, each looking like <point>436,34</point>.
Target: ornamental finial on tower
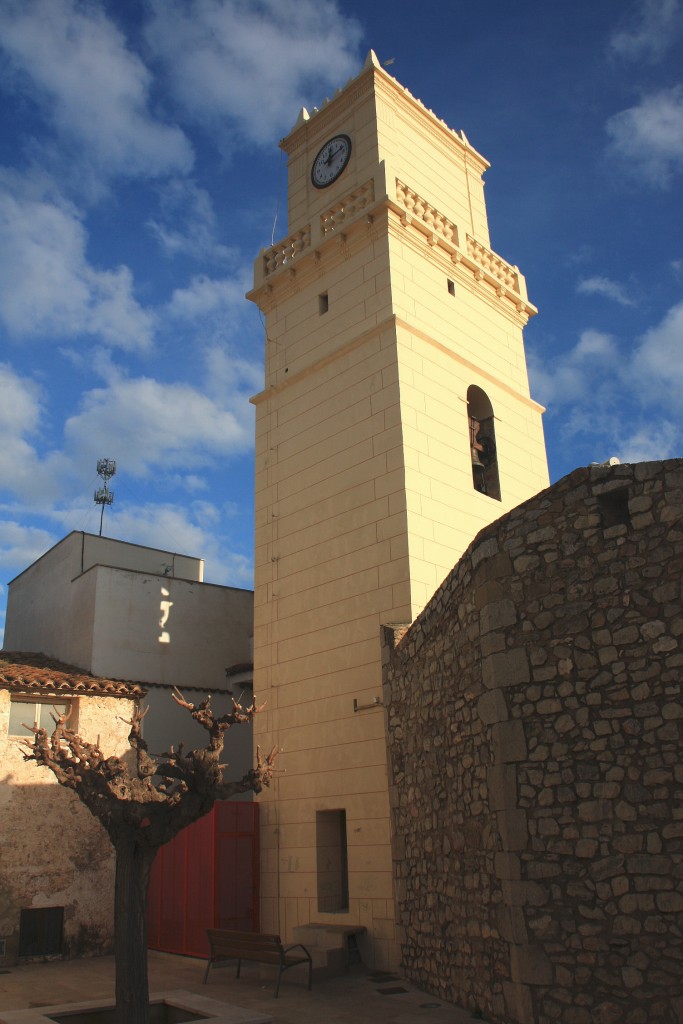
<point>302,118</point>
<point>371,61</point>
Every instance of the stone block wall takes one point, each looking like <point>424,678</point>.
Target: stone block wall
<point>534,723</point>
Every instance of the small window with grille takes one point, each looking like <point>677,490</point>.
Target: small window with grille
<point>40,931</point>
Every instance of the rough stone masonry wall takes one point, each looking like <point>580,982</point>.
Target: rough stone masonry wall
<point>534,729</point>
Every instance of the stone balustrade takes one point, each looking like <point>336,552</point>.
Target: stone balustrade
<point>493,265</point>
<point>283,252</point>
<point>483,261</point>
<point>419,209</point>
<point>347,208</point>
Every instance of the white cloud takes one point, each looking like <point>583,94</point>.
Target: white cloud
<point>190,531</point>
<point>20,403</point>
<point>656,370</point>
<point>251,64</point>
<point>648,139</point>
<point>654,27</point>
<point>226,372</point>
<point>74,62</point>
<point>20,545</point>
<point>627,405</point>
<point>594,345</point>
<point>187,225</point>
<point>48,288</point>
<point>658,439</point>
<point>146,424</point>
<point>189,482</point>
<point>603,286</point>
<point>571,378</point>
<point>23,471</point>
<point>205,296</point>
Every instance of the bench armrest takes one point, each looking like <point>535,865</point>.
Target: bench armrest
<point>297,945</point>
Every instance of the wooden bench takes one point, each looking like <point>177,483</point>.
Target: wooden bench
<point>263,949</point>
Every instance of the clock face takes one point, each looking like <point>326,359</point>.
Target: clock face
<point>331,161</point>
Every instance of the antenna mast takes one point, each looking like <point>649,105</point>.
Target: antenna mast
<point>106,468</point>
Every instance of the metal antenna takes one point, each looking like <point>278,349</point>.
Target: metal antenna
<point>106,468</point>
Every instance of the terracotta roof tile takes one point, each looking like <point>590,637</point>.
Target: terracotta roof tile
<point>36,673</point>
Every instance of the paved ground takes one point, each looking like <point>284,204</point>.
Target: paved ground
<point>359,997</point>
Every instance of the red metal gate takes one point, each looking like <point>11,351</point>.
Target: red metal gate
<point>207,877</point>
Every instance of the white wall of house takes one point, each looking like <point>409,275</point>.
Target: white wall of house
<point>127,612</point>
<point>51,607</point>
<point>123,611</point>
<point>205,628</point>
<point>105,551</point>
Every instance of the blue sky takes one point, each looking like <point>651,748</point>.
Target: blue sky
<point>140,175</point>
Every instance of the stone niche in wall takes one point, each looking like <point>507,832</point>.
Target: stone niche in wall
<point>535,722</point>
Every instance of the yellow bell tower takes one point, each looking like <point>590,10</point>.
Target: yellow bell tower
<point>394,424</point>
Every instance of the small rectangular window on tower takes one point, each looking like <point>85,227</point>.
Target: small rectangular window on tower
<point>323,303</point>
<point>451,286</point>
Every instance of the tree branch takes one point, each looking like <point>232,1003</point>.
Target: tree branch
<point>145,763</point>
<point>255,779</point>
<point>158,796</point>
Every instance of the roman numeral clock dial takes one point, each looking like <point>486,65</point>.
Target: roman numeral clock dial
<point>331,161</point>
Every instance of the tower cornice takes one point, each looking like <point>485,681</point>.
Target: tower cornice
<point>363,339</point>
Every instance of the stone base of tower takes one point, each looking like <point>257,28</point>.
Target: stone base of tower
<point>289,879</point>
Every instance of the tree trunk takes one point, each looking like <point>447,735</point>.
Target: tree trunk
<point>121,792</point>
<point>133,865</point>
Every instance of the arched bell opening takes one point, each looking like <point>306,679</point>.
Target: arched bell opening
<point>482,432</point>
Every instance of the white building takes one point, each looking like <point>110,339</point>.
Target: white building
<point>123,611</point>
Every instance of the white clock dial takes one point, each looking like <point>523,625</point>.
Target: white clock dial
<point>331,161</point>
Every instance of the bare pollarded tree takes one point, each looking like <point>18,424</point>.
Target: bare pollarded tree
<point>143,801</point>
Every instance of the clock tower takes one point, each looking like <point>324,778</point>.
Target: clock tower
<point>394,424</point>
